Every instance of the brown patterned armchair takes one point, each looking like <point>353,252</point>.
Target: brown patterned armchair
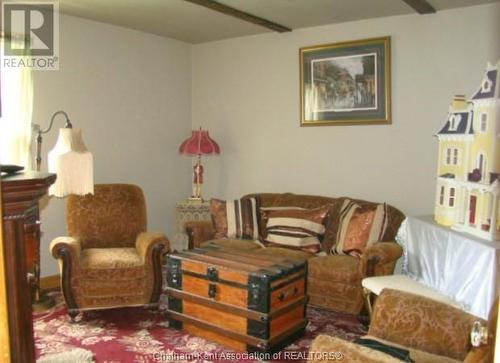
<point>108,259</point>
<point>431,332</point>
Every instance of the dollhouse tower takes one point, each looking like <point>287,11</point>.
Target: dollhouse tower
<point>468,175</point>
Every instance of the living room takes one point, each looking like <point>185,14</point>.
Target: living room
<point>136,96</point>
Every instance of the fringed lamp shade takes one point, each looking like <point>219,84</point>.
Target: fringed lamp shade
<point>198,144</point>
<point>72,163</point>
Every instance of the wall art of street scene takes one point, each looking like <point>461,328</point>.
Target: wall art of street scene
<point>346,83</point>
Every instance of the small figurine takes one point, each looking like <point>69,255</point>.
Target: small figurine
<point>468,175</point>
<point>197,180</point>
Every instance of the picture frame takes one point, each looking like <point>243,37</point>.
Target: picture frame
<point>346,83</point>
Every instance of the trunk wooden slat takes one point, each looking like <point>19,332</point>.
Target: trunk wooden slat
<point>237,299</point>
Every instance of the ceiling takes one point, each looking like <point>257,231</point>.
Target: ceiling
<point>192,23</point>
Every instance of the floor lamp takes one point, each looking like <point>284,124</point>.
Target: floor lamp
<point>73,164</point>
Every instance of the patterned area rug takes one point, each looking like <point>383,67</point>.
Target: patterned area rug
<point>136,335</point>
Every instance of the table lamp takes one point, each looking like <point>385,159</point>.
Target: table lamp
<point>73,164</point>
<point>198,144</point>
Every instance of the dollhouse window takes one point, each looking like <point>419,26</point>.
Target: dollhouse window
<point>451,157</point>
<point>448,156</point>
<point>454,121</point>
<point>441,196</point>
<point>481,165</point>
<point>455,156</point>
<point>486,86</point>
<point>451,201</point>
<point>483,122</point>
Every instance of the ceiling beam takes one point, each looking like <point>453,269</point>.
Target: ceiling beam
<point>224,9</point>
<point>421,6</point>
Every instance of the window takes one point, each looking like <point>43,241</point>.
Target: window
<point>15,120</point>
<point>483,122</point>
<point>451,201</point>
<point>441,196</point>
<point>451,156</point>
<point>448,156</point>
<point>486,86</point>
<point>454,121</point>
<point>481,165</point>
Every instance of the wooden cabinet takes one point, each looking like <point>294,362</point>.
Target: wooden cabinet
<point>20,196</point>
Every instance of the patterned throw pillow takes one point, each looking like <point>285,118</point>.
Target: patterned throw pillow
<point>295,228</point>
<point>359,228</point>
<point>235,218</point>
<point>263,219</point>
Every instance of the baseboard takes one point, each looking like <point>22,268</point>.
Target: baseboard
<point>52,282</point>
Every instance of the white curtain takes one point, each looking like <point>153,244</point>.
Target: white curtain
<point>15,120</point>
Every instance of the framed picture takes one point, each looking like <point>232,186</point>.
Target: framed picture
<point>346,83</point>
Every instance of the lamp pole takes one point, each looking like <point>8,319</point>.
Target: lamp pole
<point>42,301</point>
<point>67,125</point>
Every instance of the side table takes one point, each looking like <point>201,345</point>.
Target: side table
<point>187,211</point>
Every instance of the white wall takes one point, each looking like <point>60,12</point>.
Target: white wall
<point>246,92</point>
<point>130,92</point>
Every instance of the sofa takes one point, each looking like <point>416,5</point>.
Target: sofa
<point>334,280</point>
<point>429,331</point>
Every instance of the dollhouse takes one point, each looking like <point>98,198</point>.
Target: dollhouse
<point>468,173</point>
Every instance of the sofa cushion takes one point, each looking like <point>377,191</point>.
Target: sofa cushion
<point>286,252</point>
<point>231,243</point>
<point>335,268</point>
<point>295,228</point>
<point>359,227</point>
<point>394,219</point>
<point>235,218</point>
<point>344,297</point>
<point>105,258</point>
<point>301,201</point>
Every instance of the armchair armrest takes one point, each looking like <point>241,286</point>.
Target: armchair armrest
<point>147,242</point>
<point>62,246</point>
<point>421,323</point>
<point>152,246</point>
<point>67,252</point>
<point>377,255</point>
<point>198,232</point>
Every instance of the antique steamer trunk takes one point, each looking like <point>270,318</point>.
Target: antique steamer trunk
<point>243,300</point>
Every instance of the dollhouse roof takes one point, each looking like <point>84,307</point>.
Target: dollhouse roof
<point>462,124</point>
<point>488,86</point>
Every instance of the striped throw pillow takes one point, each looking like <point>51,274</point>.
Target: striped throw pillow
<point>235,218</point>
<point>359,228</point>
<point>295,228</point>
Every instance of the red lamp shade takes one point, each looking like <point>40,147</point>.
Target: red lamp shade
<point>199,144</point>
